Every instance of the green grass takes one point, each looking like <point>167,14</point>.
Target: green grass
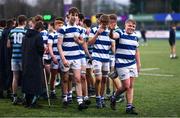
<point>154,95</point>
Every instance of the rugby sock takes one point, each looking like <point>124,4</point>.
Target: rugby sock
<point>174,55</point>
<point>53,91</point>
<point>129,106</point>
<point>64,98</point>
<point>171,56</point>
<point>69,94</point>
<point>86,98</point>
<point>98,99</point>
<point>34,100</point>
<point>79,99</point>
<point>102,98</point>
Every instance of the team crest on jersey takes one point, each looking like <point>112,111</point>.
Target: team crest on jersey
<point>77,30</point>
<point>123,75</point>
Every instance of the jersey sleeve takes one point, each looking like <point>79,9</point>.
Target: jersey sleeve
<point>61,32</point>
<point>10,36</point>
<point>118,32</point>
<point>93,32</point>
<point>50,39</point>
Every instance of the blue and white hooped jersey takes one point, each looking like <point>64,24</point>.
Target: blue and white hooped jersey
<point>126,47</point>
<point>53,39</point>
<point>101,46</point>
<point>16,36</point>
<point>44,35</point>
<point>83,31</point>
<point>70,48</point>
<point>90,47</point>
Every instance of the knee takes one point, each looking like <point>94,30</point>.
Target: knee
<point>83,77</point>
<point>77,79</point>
<point>104,80</point>
<point>126,87</point>
<point>98,81</point>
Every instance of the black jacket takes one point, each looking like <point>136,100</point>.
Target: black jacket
<point>32,52</point>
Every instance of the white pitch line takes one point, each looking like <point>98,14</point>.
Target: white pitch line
<point>149,69</point>
<point>154,52</point>
<point>159,75</point>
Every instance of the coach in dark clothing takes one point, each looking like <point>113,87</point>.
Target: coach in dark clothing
<point>32,65</point>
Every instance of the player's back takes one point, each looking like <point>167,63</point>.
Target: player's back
<point>16,36</point>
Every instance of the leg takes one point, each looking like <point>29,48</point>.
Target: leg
<point>15,86</point>
<point>54,72</point>
<point>65,77</point>
<point>130,92</point>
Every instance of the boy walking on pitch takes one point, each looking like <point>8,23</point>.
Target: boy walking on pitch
<point>127,62</point>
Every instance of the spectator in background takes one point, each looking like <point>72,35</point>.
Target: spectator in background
<point>172,41</point>
<point>143,35</point>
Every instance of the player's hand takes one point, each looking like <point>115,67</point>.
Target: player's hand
<point>46,49</point>
<point>65,63</point>
<point>100,30</point>
<point>138,68</point>
<point>76,38</point>
<point>54,59</point>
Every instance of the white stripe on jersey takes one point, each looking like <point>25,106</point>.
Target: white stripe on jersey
<point>125,52</point>
<point>129,42</point>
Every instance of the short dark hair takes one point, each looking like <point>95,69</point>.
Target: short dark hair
<point>130,20</point>
<point>98,15</point>
<point>51,24</point>
<point>81,17</point>
<point>104,19</point>
<point>39,25</point>
<point>87,22</point>
<point>60,19</point>
<point>3,23</point>
<point>38,18</point>
<point>10,23</point>
<point>113,17</point>
<point>21,19</point>
<point>73,10</point>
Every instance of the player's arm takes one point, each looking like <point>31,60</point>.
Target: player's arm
<point>138,61</point>
<point>85,47</point>
<point>92,40</point>
<point>78,40</point>
<point>9,41</point>
<point>50,44</point>
<point>60,50</point>
<point>113,35</point>
<point>113,47</point>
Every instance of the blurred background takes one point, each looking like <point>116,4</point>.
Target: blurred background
<point>153,15</point>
